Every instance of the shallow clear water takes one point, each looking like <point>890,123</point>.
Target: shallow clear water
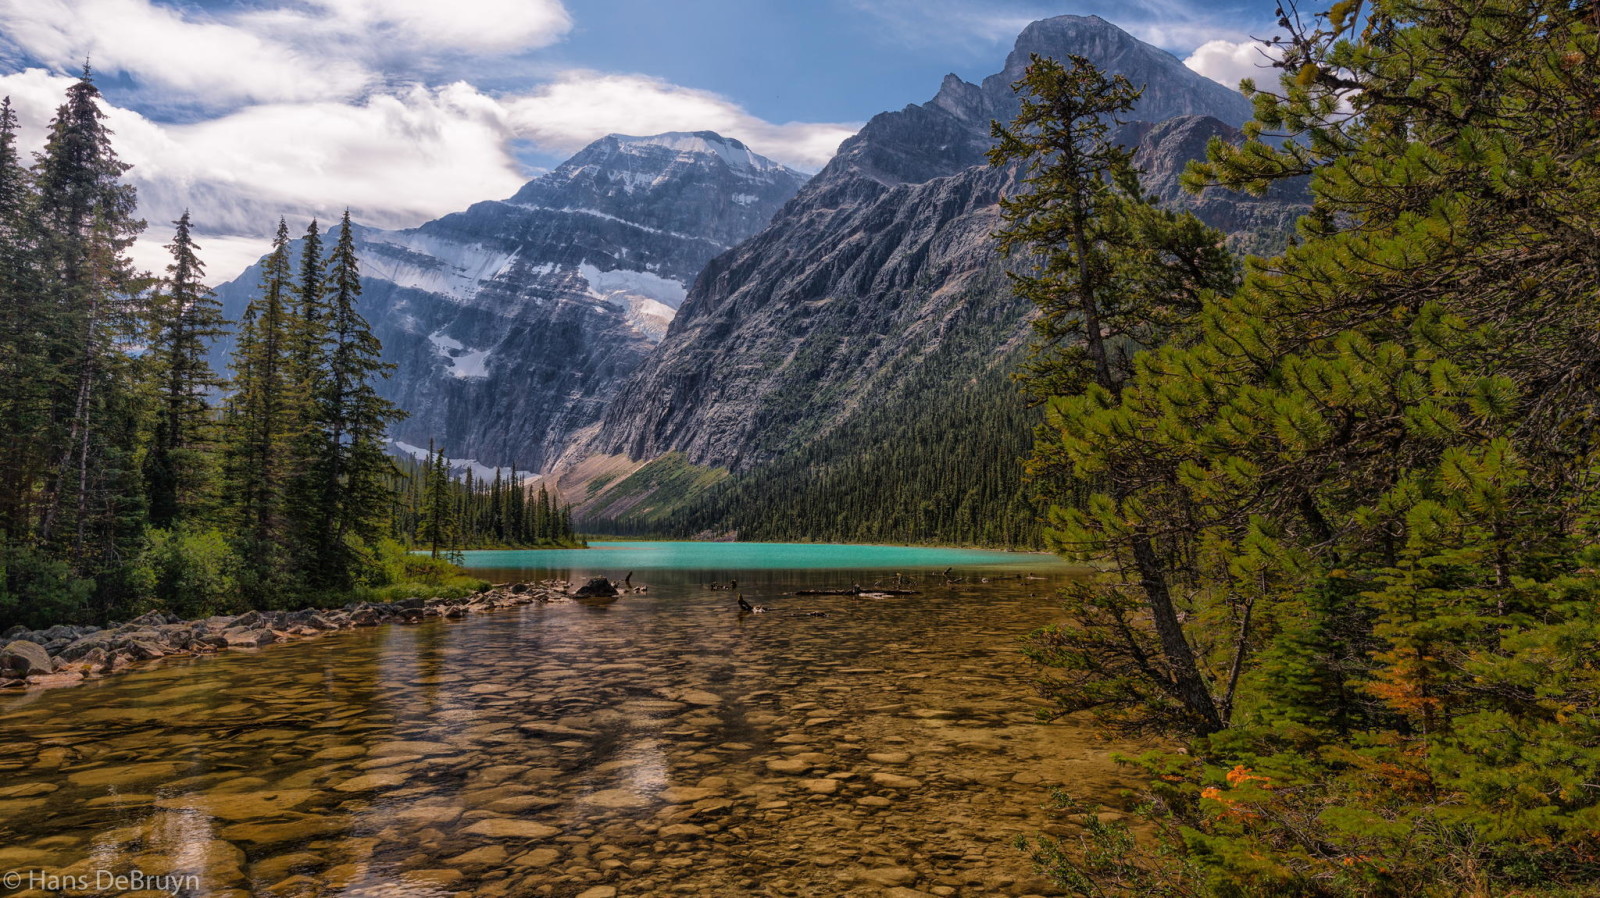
<point>658,743</point>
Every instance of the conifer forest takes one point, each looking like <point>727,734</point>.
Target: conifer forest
<point>1109,478</point>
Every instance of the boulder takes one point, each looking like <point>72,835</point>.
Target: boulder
<point>23,658</point>
<point>239,638</point>
<point>80,648</point>
<point>599,586</point>
<point>250,620</point>
<point>143,650</point>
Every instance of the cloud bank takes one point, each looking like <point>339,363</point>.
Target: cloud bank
<point>302,109</point>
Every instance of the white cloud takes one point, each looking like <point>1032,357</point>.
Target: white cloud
<point>209,61</point>
<point>395,159</point>
<point>1230,62</point>
<point>578,107</point>
<point>490,26</point>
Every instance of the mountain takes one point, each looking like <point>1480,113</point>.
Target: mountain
<point>875,298</point>
<point>512,323</point>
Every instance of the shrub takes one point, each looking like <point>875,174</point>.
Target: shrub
<point>189,572</point>
<point>39,591</point>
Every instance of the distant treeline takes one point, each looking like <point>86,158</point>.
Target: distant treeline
<point>438,511</point>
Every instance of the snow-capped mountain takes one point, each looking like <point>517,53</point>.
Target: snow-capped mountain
<point>513,322</point>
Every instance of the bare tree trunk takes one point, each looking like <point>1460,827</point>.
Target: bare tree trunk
<point>1190,685</point>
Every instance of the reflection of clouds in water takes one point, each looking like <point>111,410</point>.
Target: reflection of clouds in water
<point>649,774</point>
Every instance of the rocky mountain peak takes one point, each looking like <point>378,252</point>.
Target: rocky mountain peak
<point>951,132</point>
<point>1170,87</point>
<point>684,183</point>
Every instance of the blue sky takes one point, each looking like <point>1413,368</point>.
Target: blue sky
<point>407,109</point>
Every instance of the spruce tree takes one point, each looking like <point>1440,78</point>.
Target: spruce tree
<point>85,216</point>
<point>347,469</point>
<point>186,316</point>
<point>25,335</point>
<point>307,334</point>
<point>258,426</point>
<point>438,519</point>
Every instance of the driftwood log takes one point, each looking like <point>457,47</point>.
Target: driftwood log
<point>857,591</point>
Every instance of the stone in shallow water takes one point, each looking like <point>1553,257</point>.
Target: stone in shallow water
<point>684,794</point>
<point>126,773</point>
<point>240,805</point>
<point>889,876</point>
<point>432,877</point>
<point>297,829</point>
<point>599,892</point>
<point>411,748</point>
<point>821,787</point>
<point>888,757</point>
<point>539,857</point>
<point>681,831</point>
<point>276,868</point>
<point>27,790</point>
<point>372,781</point>
<point>487,856</point>
<point>429,813</point>
<point>507,828</point>
<point>616,798</point>
<point>789,766</point>
<point>895,781</point>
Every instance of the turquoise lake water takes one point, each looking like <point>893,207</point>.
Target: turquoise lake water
<point>714,559</point>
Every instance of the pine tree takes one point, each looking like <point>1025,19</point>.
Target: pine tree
<point>85,216</point>
<point>1102,275</point>
<point>307,334</point>
<point>186,315</point>
<point>25,335</point>
<point>348,468</point>
<point>1379,444</point>
<point>438,517</point>
<point>258,424</point>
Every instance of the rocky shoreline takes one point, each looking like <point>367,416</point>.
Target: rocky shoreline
<point>64,654</point>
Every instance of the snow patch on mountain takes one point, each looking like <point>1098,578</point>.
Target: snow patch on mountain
<point>650,300</point>
<point>421,261</point>
<point>701,143</point>
<point>459,466</point>
<point>464,363</point>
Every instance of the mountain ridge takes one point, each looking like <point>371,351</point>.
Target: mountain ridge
<point>513,321</point>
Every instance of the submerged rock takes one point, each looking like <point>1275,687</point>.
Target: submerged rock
<point>599,586</point>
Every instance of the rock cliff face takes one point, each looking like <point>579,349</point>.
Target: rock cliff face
<point>514,322</point>
<point>886,257</point>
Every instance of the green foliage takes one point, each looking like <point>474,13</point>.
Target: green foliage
<point>38,590</point>
<point>189,572</point>
<point>400,573</point>
<point>340,490</point>
<point>1104,860</point>
<point>1112,276</point>
<point>184,317</point>
<point>1370,474</point>
<point>122,488</point>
